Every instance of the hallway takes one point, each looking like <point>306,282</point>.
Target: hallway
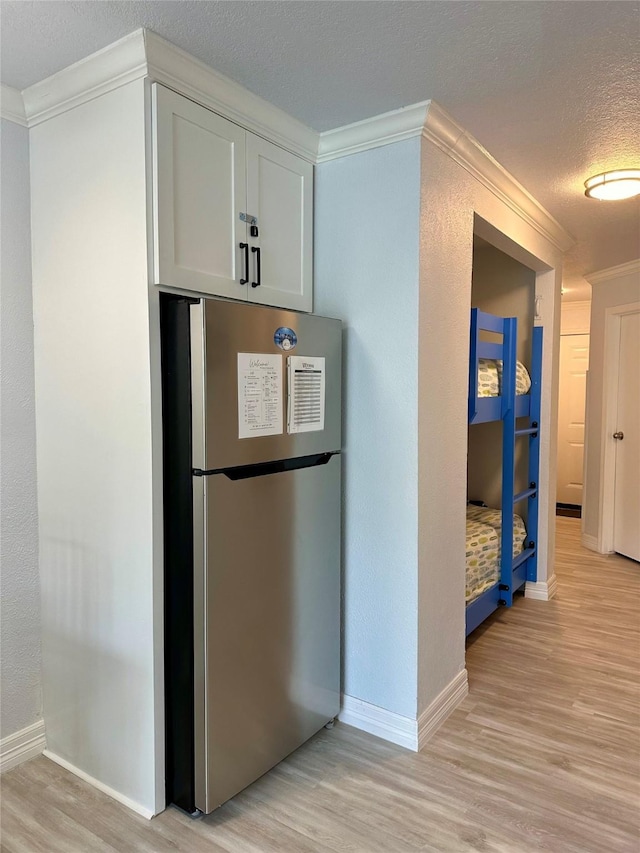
<point>544,754</point>
<point>555,699</point>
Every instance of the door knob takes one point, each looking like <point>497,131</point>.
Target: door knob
<point>618,435</point>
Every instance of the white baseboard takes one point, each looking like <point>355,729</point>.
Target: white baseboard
<point>541,590</point>
<point>412,734</point>
<point>445,702</point>
<point>590,542</point>
<point>21,746</point>
<point>116,795</point>
<point>380,722</point>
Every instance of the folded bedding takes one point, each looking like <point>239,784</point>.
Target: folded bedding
<point>483,548</point>
<point>490,378</point>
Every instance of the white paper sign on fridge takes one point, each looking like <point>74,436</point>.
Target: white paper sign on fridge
<point>306,393</point>
<point>259,394</point>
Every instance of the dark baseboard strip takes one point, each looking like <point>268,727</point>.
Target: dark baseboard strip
<point>569,510</point>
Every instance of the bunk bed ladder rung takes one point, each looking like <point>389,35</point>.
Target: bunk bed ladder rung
<point>522,557</point>
<point>529,493</point>
<point>531,431</point>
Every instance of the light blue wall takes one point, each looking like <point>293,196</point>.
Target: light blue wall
<point>20,612</point>
<point>367,274</point>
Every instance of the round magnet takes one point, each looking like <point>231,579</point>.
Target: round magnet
<point>285,338</point>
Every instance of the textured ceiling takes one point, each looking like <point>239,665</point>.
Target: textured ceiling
<point>551,89</point>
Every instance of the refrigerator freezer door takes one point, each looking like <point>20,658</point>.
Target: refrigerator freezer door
<point>268,630</point>
<point>220,331</point>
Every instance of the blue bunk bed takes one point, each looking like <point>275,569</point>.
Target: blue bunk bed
<point>508,407</point>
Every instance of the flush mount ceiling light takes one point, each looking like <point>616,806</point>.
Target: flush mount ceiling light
<point>611,186</point>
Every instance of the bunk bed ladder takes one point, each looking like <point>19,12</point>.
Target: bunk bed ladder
<point>508,407</point>
<point>510,336</point>
<point>514,571</point>
<point>531,545</point>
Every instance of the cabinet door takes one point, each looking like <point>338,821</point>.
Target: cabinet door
<point>280,194</point>
<point>199,193</point>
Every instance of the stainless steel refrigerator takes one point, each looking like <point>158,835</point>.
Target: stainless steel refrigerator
<point>252,436</point>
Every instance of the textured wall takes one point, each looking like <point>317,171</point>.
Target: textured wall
<point>366,256</point>
<point>394,247</point>
<point>452,203</point>
<point>20,592</point>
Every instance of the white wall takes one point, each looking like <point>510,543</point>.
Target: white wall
<point>366,273</point>
<point>451,197</point>
<point>575,318</point>
<point>610,288</point>
<point>94,443</point>
<point>503,286</point>
<point>20,658</point>
<point>394,234</point>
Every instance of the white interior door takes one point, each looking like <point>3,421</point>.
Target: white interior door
<point>199,193</point>
<point>574,363</point>
<point>280,194</point>
<point>626,514</point>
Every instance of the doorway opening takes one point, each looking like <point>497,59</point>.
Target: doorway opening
<point>572,385</point>
<point>531,295</point>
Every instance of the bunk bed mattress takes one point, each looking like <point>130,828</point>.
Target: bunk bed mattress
<point>490,378</point>
<point>482,559</point>
<point>493,517</point>
<point>483,549</point>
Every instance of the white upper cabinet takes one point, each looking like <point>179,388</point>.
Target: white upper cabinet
<point>279,195</point>
<point>209,176</point>
<point>199,181</point>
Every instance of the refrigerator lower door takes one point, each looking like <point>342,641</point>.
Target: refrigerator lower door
<point>267,622</point>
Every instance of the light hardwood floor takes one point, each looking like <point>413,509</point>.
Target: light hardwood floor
<point>544,754</point>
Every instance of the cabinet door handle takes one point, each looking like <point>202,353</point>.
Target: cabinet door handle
<point>245,246</point>
<point>257,283</point>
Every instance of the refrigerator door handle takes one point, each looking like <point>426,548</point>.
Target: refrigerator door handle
<point>262,469</point>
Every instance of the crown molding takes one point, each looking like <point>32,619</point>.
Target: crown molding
<point>443,131</point>
<point>12,105</point>
<point>614,272</point>
<point>144,54</point>
<point>429,120</point>
<point>171,66</point>
<point>107,69</point>
<point>374,132</point>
